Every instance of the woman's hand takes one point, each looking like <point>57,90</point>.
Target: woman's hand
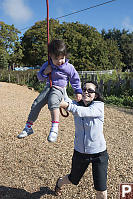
<point>47,70</point>
<point>64,104</point>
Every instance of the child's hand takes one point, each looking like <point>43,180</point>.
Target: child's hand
<point>63,104</point>
<point>78,96</point>
<point>47,70</point>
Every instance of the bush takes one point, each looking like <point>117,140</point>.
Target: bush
<point>116,86</point>
<point>126,101</point>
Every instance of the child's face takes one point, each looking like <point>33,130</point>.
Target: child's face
<point>58,61</point>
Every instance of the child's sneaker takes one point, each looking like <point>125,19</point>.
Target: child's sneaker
<point>52,136</point>
<point>25,132</point>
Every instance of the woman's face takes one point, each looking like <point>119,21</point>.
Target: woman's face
<point>88,92</point>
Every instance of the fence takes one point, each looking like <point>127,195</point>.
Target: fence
<point>108,87</point>
<point>96,72</point>
<point>18,77</point>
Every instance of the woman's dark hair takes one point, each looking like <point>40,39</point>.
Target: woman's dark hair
<point>57,47</point>
<point>99,96</point>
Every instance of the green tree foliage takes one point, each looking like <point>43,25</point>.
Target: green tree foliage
<point>124,41</point>
<point>3,59</point>
<point>127,49</point>
<point>9,42</point>
<point>34,42</point>
<point>17,55</point>
<point>88,50</point>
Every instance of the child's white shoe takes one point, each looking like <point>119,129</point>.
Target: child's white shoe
<point>52,136</point>
<point>25,132</point>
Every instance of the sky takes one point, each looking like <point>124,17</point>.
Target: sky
<point>25,13</point>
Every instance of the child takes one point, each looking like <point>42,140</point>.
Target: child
<point>61,72</point>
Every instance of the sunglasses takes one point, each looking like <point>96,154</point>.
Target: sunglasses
<point>89,90</point>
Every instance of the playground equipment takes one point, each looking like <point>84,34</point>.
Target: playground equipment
<point>50,78</point>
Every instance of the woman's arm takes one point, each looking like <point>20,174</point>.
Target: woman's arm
<point>64,104</point>
<point>96,109</point>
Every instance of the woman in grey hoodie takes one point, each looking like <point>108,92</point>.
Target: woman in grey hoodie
<point>89,142</point>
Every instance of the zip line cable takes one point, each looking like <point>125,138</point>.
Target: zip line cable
<point>85,9</point>
<point>98,5</point>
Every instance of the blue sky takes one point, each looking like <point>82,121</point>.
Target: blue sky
<point>24,13</point>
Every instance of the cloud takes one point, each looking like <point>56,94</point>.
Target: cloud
<point>17,10</point>
<point>127,24</point>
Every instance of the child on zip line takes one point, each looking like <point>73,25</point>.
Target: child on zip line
<point>61,73</point>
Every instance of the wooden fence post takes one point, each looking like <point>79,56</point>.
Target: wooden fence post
<point>131,83</point>
<point>101,87</point>
<point>24,78</point>
<point>18,78</point>
<point>28,78</point>
<point>92,77</point>
<point>9,77</point>
<point>85,76</point>
<point>109,83</point>
<point>96,78</point>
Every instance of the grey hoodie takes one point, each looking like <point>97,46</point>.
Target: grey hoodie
<point>88,120</point>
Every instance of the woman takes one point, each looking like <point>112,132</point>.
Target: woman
<point>89,143</point>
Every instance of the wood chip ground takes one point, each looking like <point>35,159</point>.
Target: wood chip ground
<point>30,167</point>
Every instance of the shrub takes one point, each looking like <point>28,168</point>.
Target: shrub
<point>126,101</point>
<point>117,88</point>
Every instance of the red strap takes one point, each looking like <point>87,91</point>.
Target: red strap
<point>30,123</point>
<point>54,121</point>
<point>50,78</point>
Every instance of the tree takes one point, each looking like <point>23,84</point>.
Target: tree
<point>3,59</point>
<point>88,49</point>
<point>124,41</point>
<point>8,41</point>
<point>17,54</point>
<point>34,42</point>
<point>127,49</point>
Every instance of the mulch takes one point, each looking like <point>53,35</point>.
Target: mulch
<point>29,167</point>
